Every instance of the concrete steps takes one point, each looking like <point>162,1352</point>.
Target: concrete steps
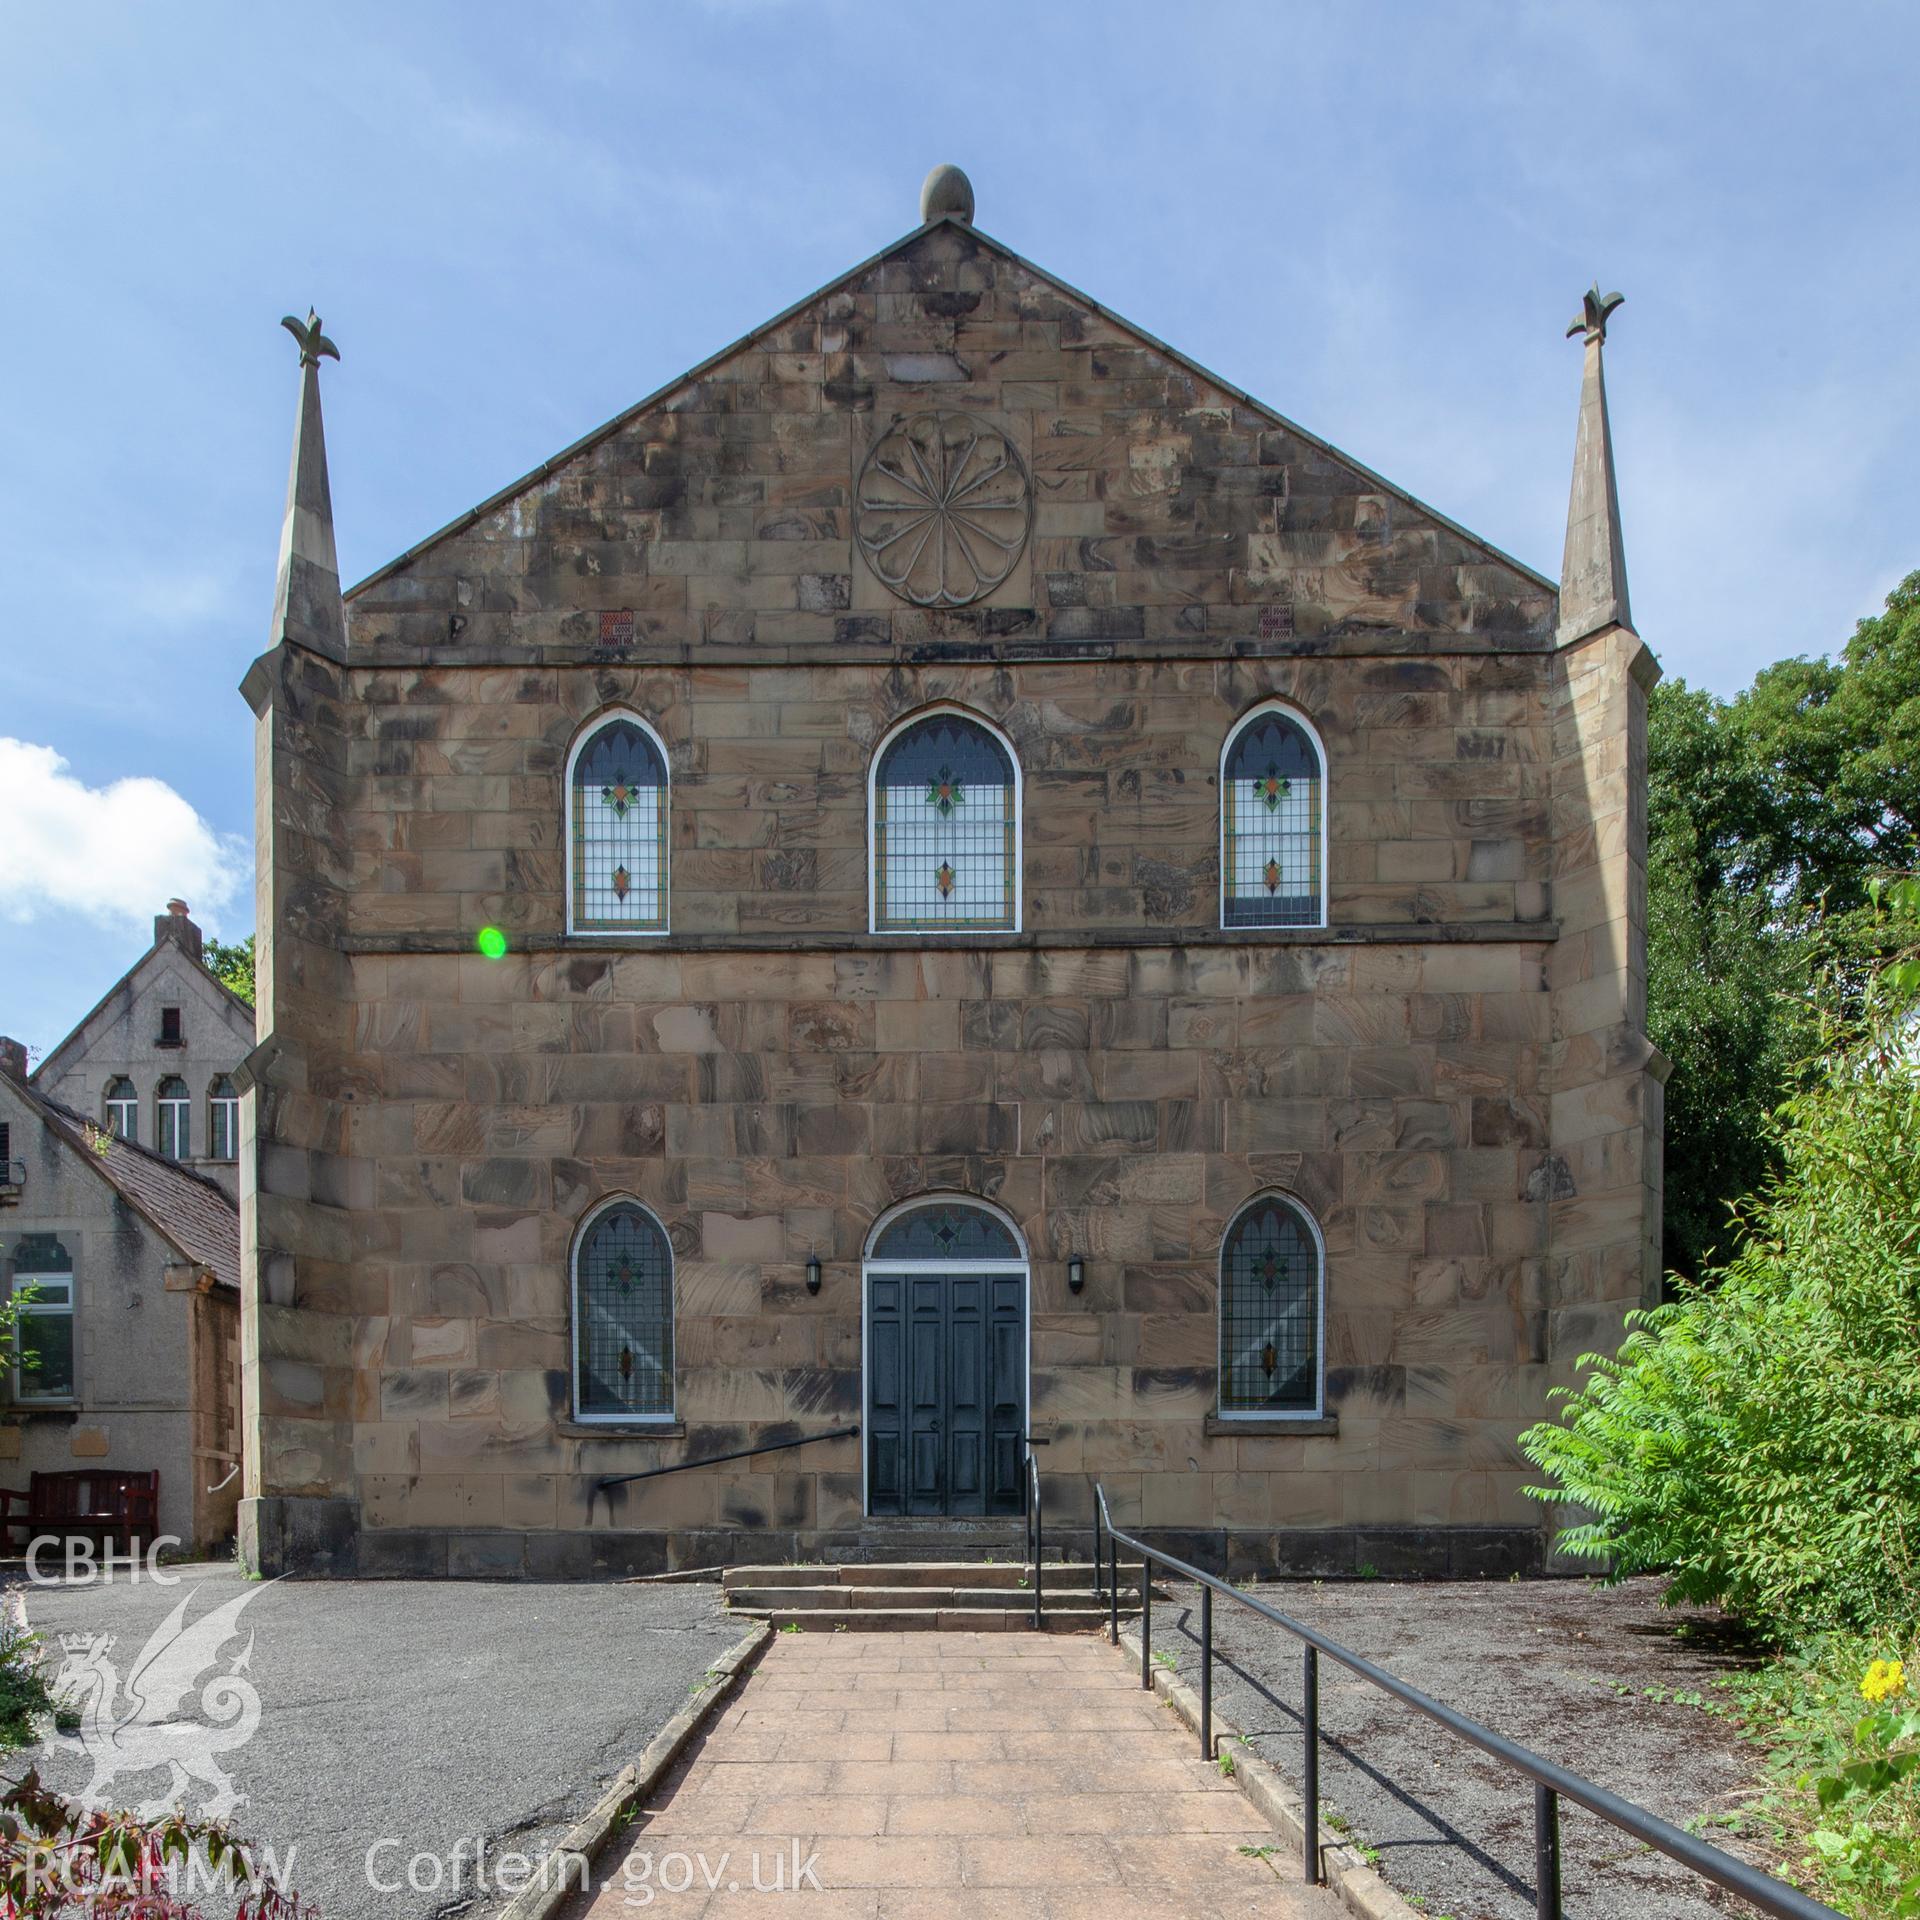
<point>951,1596</point>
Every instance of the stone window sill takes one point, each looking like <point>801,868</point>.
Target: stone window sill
<point>617,1430</point>
<point>1218,1428</point>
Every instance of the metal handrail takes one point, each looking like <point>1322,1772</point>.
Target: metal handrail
<point>1551,1783</point>
<point>1035,1535</point>
<point>714,1459</point>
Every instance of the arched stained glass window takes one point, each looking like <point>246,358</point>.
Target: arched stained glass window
<point>1271,1286</point>
<point>946,853</point>
<point>945,1230</point>
<point>1271,801</point>
<point>617,830</point>
<point>223,1120</point>
<point>623,1316</point>
<point>173,1112</point>
<point>123,1108</point>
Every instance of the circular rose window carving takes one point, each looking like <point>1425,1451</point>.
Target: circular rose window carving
<point>943,509</point>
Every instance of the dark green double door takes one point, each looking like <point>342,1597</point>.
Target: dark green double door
<point>946,1392</point>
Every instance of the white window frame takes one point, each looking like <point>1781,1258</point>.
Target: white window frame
<point>127,1106</point>
<point>40,1309</point>
<point>581,1233</point>
<point>589,731</point>
<point>1268,1414</point>
<point>183,1104</point>
<point>1288,711</point>
<point>1019,830</point>
<point>869,1266</point>
<point>215,1102</point>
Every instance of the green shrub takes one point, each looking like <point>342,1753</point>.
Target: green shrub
<point>1758,1439</point>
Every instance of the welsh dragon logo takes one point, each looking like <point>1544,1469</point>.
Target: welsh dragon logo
<point>153,1721</point>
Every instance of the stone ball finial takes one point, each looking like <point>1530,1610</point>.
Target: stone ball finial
<point>946,190</point>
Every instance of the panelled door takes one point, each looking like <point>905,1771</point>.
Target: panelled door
<point>946,1390</point>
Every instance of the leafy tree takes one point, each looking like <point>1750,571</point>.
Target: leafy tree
<point>1725,982</point>
<point>231,963</point>
<point>1758,1438</point>
<point>1769,817</point>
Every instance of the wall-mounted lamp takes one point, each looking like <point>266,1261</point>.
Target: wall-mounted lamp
<point>813,1273</point>
<point>1076,1274</point>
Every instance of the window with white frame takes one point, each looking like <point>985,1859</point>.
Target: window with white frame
<point>1272,1287</point>
<point>173,1116</point>
<point>223,1120</point>
<point>123,1108</point>
<point>1272,824</point>
<point>617,792</point>
<point>622,1316</point>
<point>946,829</point>
<point>41,1283</point>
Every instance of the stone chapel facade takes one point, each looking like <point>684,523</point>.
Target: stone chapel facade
<point>949,874</point>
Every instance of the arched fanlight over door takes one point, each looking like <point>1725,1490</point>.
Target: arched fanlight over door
<point>1272,1311</point>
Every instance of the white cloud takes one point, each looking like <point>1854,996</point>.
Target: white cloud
<point>114,854</point>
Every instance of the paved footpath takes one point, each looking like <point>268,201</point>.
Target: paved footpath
<point>955,1776</point>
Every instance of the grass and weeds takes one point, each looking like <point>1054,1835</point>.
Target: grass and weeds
<point>1840,1725</point>
<point>25,1704</point>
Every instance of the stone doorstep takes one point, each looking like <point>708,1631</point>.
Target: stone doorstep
<point>1080,1617</point>
<point>975,1575</point>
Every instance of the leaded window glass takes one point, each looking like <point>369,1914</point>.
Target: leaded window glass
<point>618,803</point>
<point>223,1120</point>
<point>1270,1308</point>
<point>174,1110</point>
<point>1271,798</point>
<point>42,1287</point>
<point>945,1230</point>
<point>623,1317</point>
<point>945,847</point>
<point>123,1109</point>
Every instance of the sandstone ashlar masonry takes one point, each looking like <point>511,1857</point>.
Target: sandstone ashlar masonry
<point>1451,1077</point>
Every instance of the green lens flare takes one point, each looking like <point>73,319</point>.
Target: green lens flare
<point>492,942</point>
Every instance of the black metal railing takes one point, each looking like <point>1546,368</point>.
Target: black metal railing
<point>1551,1783</point>
<point>1036,1535</point>
<point>714,1459</point>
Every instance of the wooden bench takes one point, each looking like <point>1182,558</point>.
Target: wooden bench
<point>100,1502</point>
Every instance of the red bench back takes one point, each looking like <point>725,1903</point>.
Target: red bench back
<point>89,1493</point>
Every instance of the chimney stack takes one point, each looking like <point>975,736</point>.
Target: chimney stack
<point>13,1059</point>
<point>175,926</point>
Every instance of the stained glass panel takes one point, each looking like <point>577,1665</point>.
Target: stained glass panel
<point>1270,1312</point>
<point>623,1316</point>
<point>943,829</point>
<point>1271,799</point>
<point>619,805</point>
<point>945,1230</point>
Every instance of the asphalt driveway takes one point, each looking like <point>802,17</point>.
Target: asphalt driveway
<point>410,1713</point>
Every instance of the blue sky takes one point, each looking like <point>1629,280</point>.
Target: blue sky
<point>517,220</point>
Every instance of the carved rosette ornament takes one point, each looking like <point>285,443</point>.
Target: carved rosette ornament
<point>942,509</point>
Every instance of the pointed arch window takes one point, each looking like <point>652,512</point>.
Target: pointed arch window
<point>223,1120</point>
<point>1272,1312</point>
<point>173,1111</point>
<point>122,1108</point>
<point>617,792</point>
<point>945,808</point>
<point>622,1316</point>
<point>1272,824</point>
